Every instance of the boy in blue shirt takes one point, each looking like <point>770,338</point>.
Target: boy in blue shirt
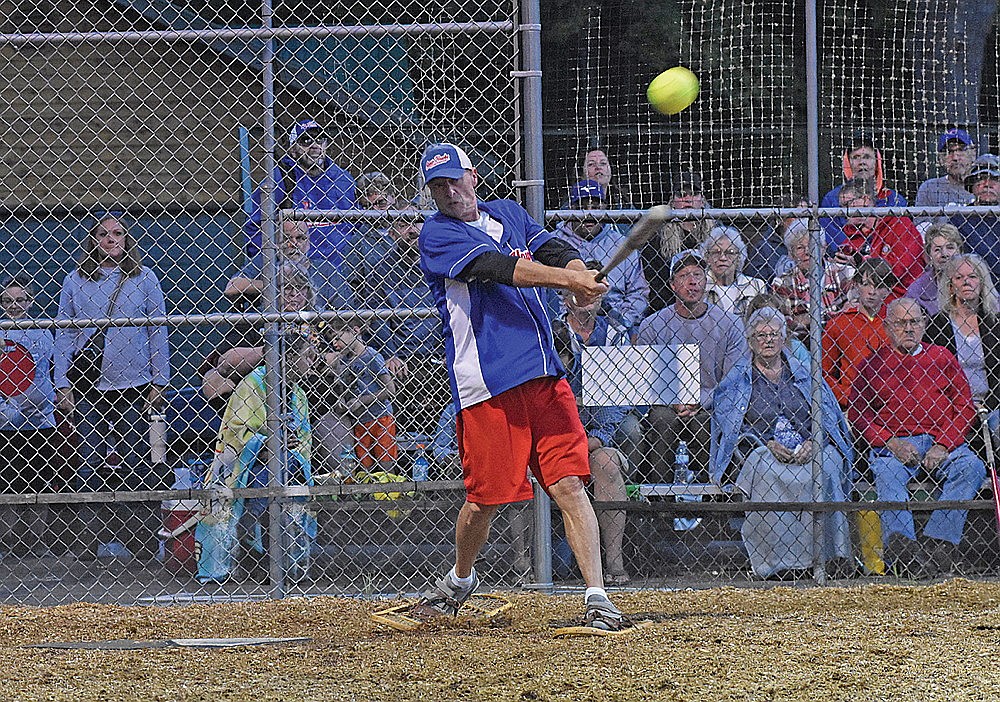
<point>370,390</point>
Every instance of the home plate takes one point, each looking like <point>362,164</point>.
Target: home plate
<point>477,608</point>
<point>579,630</point>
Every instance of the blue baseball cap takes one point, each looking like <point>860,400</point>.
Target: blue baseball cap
<point>586,190</point>
<point>444,161</point>
<point>300,128</point>
<point>954,134</point>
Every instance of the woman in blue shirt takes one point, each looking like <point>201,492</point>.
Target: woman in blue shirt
<point>767,397</point>
<point>113,419</point>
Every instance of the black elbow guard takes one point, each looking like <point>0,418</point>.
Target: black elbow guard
<point>491,265</point>
<point>556,252</point>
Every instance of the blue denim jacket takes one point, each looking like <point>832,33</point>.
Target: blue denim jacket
<point>732,397</point>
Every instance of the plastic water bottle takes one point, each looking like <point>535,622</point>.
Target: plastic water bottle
<point>683,475</point>
<point>421,466</point>
<point>347,466</point>
<point>300,532</point>
<point>785,434</point>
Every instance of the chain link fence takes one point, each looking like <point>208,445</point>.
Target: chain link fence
<point>218,205</point>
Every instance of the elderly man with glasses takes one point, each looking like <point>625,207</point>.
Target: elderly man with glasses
<point>912,403</point>
<point>306,178</point>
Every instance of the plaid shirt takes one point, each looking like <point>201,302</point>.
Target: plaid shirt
<point>791,287</point>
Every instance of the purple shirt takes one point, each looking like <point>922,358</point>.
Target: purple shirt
<point>925,291</point>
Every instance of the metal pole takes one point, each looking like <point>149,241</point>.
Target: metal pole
<point>272,356</point>
<point>531,91</point>
<point>263,33</point>
<point>816,285</point>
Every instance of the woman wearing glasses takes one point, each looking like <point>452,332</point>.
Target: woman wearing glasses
<point>762,410</point>
<point>725,253</point>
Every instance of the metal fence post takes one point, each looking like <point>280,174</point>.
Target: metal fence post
<point>531,91</point>
<point>272,355</point>
<point>818,244</point>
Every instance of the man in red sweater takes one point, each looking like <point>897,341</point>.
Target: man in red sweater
<point>913,405</point>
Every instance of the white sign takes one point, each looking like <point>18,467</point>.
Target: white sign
<point>641,375</point>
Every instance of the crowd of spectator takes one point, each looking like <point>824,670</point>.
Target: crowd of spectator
<point>909,314</point>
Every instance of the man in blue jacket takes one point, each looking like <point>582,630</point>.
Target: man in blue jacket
<point>308,179</point>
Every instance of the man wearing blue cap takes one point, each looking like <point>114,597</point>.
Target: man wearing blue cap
<point>306,178</point>
<point>955,153</point>
<point>485,263</point>
<point>628,296</point>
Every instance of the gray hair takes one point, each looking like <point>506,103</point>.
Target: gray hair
<point>766,315</point>
<point>794,232</point>
<point>292,275</point>
<point>731,233</point>
<point>903,302</point>
<point>376,180</point>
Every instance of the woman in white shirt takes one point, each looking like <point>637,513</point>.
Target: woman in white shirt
<point>725,252</point>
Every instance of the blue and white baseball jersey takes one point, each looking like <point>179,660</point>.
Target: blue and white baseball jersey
<point>497,336</point>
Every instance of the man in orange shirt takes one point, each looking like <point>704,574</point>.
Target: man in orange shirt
<point>858,331</point>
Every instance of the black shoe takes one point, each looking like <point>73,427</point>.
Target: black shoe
<point>841,568</point>
<point>942,556</point>
<point>906,559</point>
<point>790,574</point>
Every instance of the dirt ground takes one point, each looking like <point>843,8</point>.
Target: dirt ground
<point>873,642</point>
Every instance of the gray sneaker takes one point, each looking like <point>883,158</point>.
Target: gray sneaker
<point>446,597</point>
<point>602,614</point>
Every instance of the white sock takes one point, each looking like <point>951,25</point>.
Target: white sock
<point>594,591</point>
<point>462,582</point>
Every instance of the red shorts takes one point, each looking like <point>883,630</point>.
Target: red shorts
<point>376,442</point>
<point>535,425</point>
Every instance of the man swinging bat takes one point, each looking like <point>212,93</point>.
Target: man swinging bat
<point>485,263</point>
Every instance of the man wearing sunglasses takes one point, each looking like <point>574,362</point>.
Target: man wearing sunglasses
<point>306,178</point>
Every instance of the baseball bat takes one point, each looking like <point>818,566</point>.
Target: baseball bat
<point>640,233</point>
<point>991,462</point>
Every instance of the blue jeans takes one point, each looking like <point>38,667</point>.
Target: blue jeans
<point>963,474</point>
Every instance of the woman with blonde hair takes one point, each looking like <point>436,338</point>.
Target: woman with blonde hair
<point>968,325</point>
<point>941,243</point>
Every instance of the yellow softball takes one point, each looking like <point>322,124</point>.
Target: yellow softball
<point>673,90</point>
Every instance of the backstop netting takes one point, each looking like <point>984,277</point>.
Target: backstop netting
<point>166,134</point>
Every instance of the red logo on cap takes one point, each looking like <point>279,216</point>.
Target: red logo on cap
<point>438,160</point>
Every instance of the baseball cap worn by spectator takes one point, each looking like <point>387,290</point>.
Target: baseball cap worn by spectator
<point>586,190</point>
<point>686,183</point>
<point>444,161</point>
<point>986,166</point>
<point>953,134</point>
<point>300,128</point>
<point>688,257</point>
